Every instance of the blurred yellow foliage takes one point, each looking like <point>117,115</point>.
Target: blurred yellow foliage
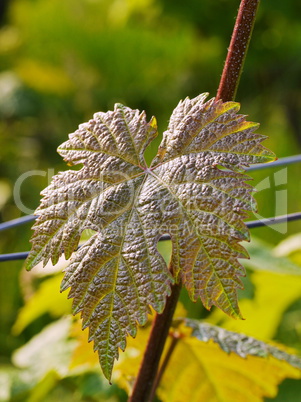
<point>200,371</point>
<point>44,77</point>
<point>274,293</point>
<point>197,371</point>
<point>47,299</point>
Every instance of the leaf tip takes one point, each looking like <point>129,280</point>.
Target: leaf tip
<point>237,315</point>
<point>153,123</point>
<point>107,370</point>
<point>28,266</point>
<point>119,106</point>
<point>32,260</point>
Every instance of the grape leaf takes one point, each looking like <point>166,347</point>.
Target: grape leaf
<point>240,344</point>
<point>249,370</point>
<point>219,365</point>
<point>194,190</point>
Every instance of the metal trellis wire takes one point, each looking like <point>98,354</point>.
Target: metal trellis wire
<point>251,224</point>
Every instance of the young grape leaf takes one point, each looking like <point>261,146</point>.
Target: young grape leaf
<point>194,190</point>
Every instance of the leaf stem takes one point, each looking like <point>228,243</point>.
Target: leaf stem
<point>237,51</point>
<point>144,385</point>
<point>173,344</point>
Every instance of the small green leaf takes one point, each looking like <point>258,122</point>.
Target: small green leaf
<point>194,190</point>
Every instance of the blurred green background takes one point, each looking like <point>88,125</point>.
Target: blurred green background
<point>61,61</point>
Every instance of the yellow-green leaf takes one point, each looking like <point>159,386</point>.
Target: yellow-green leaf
<point>214,365</point>
<point>47,299</point>
<point>290,247</point>
<point>204,372</point>
<point>194,190</point>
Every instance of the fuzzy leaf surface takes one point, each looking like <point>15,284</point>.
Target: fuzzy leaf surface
<point>240,344</point>
<point>194,190</point>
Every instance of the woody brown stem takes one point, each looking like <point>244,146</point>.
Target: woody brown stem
<point>142,391</point>
<point>237,50</point>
